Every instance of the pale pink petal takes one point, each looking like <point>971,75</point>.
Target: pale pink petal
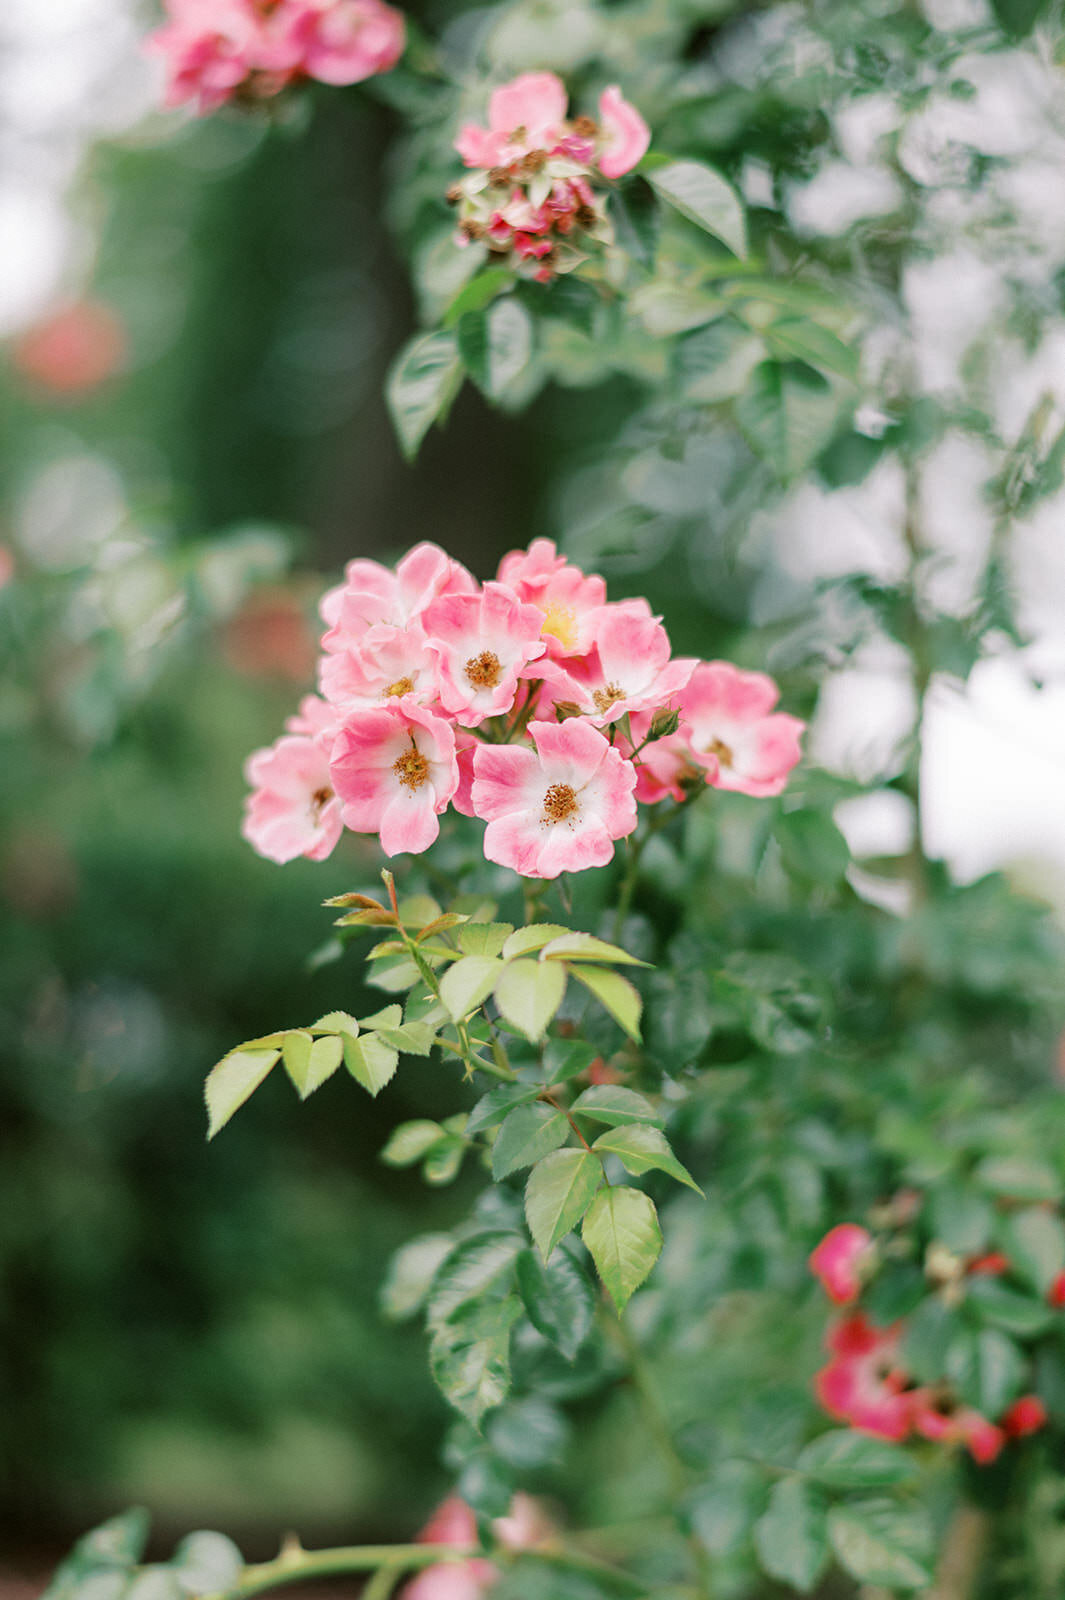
<point>535,102</point>
<point>837,1261</point>
<point>626,135</point>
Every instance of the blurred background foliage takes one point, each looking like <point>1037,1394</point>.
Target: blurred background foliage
<point>198,1330</point>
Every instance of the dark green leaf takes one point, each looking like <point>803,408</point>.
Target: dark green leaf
<point>787,414</point>
<point>528,1133</point>
<point>791,1538</point>
<point>423,382</point>
<point>845,1459</point>
<point>560,1189</point>
<point>559,1299</point>
<point>881,1543</point>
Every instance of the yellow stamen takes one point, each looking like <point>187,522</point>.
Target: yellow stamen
<point>411,769</point>
<point>484,671</point>
<point>560,803</point>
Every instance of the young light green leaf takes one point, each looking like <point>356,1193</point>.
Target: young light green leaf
<point>791,1539</point>
<point>642,1148</point>
<point>578,946</point>
<point>410,1274</point>
<point>466,984</point>
<point>524,940</point>
<point>411,1038</point>
<point>527,1134</point>
<point>879,1542</point>
<point>442,1164</point>
<point>615,1105</point>
<point>296,1057</point>
<point>559,1299</point>
<point>624,1239</point>
<point>230,1083</point>
<point>494,1106</point>
<point>421,385</point>
<point>207,1563</point>
<point>388,1017</point>
<point>412,1141</point>
<point>560,1189</point>
<point>324,1059</point>
<point>335,1022</point>
<point>484,938</point>
<point>846,1459</point>
<point>370,1061</point>
<point>615,993</point>
<point>702,195</point>
<point>528,993</point>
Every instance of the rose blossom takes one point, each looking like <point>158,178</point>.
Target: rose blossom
<point>209,47</point>
<point>481,643</point>
<point>1026,1415</point>
<point>862,1384</point>
<point>341,41</point>
<point>293,809</point>
<point>558,809</point>
<point>372,594</point>
<point>734,733</point>
<point>394,769</point>
<point>568,598</point>
<point>390,663</point>
<point>838,1261</point>
<point>628,670</point>
<point>959,1425</point>
<point>453,1522</point>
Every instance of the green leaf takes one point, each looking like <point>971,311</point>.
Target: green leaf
<point>484,938</point>
<point>528,993</point>
<point>230,1083</point>
<point>411,1038</point>
<point>881,1543</point>
<point>624,1239</point>
<point>388,1017</point>
<point>926,1339</point>
<point>335,1022</point>
<point>296,1058</point>
<point>470,1357</point>
<point>845,1459</point>
<point>615,993</point>
<point>443,1163</point>
<point>478,293</point>
<point>119,1541</point>
<point>1018,1178</point>
<point>567,1058</point>
<point>787,413</point>
<point>207,1563</point>
<point>496,345</point>
<point>812,847</point>
<point>637,219</point>
<point>986,1368</point>
<point>665,308</point>
<point>370,1061</point>
<point>478,1269</point>
<point>422,383</point>
<point>702,195</point>
<point>559,1299</point>
<point>411,1142</point>
<point>560,1189</point>
<point>791,1538</point>
<point>586,947</point>
<point>411,1272</point>
<point>610,1103</point>
<point>494,1106</point>
<point>524,940</point>
<point>527,1134</point>
<point>808,341</point>
<point>1018,17</point>
<point>960,1217</point>
<point>147,1583</point>
<point>1034,1240</point>
<point>642,1149</point>
<point>1014,1313</point>
<point>467,983</point>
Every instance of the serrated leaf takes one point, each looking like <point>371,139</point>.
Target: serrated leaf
<point>525,940</point>
<point>478,1269</point>
<point>615,1105</point>
<point>704,197</point>
<point>441,924</point>
<point>878,1542</point>
<point>470,1357</point>
<point>494,1106</point>
<point>411,1038</point>
<point>615,993</point>
<point>559,1299</point>
<point>388,1017</point>
<point>527,1134</point>
<point>791,1538</point>
<point>528,993</point>
<point>411,1141</point>
<point>787,413</point>
<point>422,383</point>
<point>484,938</point>
<point>232,1080</point>
<point>296,1057</point>
<point>567,1058</point>
<point>623,1238</point>
<point>846,1459</point>
<point>335,1022</point>
<point>468,983</point>
<point>642,1148</point>
<point>370,1061</point>
<point>325,1057</point>
<point>578,946</point>
<point>560,1189</point>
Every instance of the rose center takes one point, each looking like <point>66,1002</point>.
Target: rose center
<point>411,769</point>
<point>723,752</point>
<point>484,671</point>
<point>319,800</point>
<point>561,623</point>
<point>560,803</point>
<point>605,698</point>
<point>401,686</point>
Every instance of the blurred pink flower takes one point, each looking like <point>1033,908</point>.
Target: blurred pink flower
<point>559,809</point>
<point>293,809</point>
<point>959,1425</point>
<point>862,1384</point>
<point>838,1261</point>
<point>372,594</point>
<point>627,135</point>
<point>74,350</point>
<point>341,41</point>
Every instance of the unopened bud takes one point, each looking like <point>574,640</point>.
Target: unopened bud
<point>564,709</point>
<point>663,723</point>
<point>941,1265</point>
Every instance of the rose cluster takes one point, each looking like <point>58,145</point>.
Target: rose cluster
<point>531,195</point>
<point>865,1382</point>
<point>531,702</point>
<point>216,50</point>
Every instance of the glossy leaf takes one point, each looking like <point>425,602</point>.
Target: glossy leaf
<point>623,1238</point>
<point>528,993</point>
<point>615,993</point>
<point>704,197</point>
<point>528,1133</point>
<point>560,1189</point>
<point>423,382</point>
<point>642,1148</point>
<point>559,1299</point>
<point>231,1082</point>
<point>615,1105</point>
